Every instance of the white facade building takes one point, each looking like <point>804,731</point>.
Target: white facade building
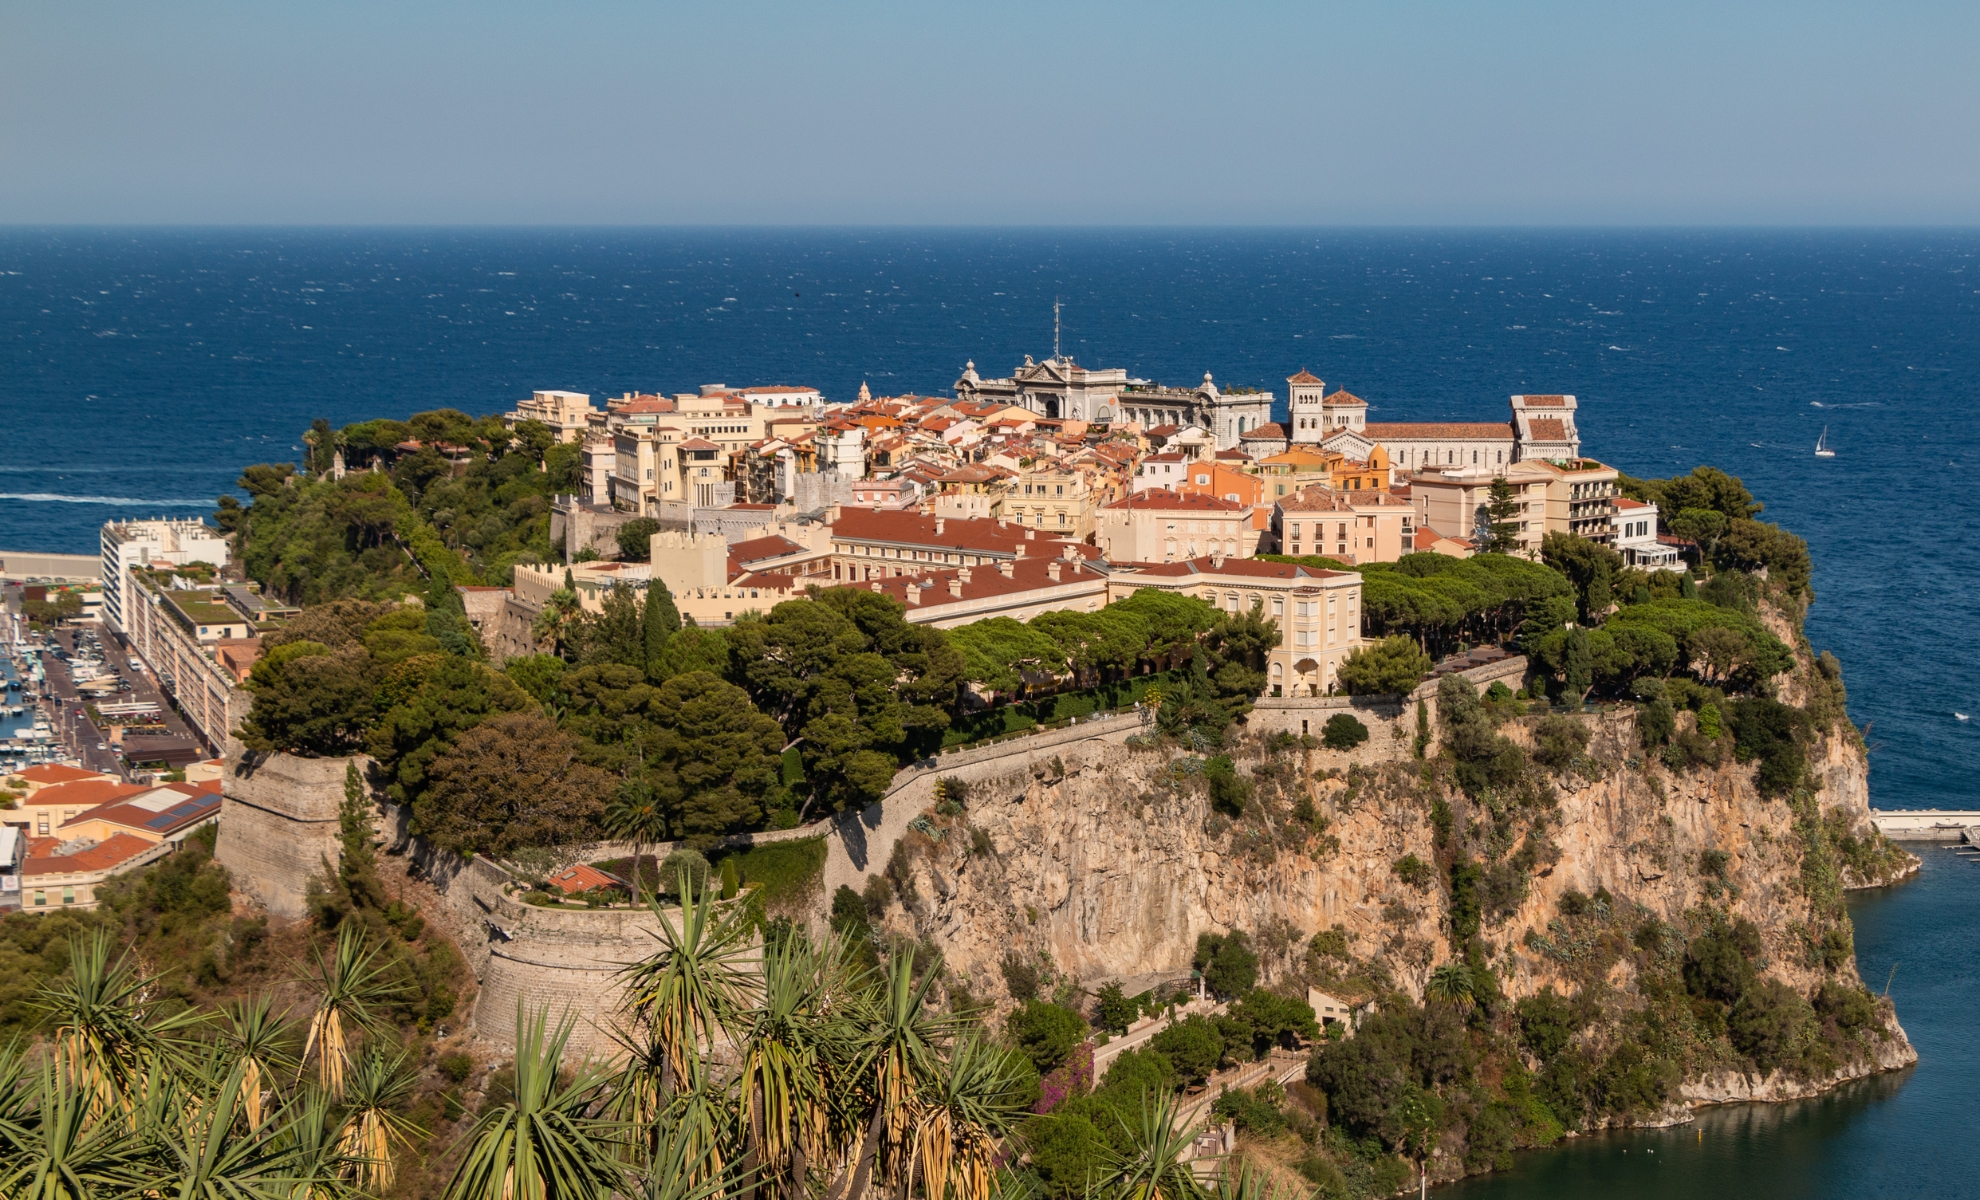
<point>172,541</point>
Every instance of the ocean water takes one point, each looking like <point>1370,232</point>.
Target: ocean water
<point>139,370</point>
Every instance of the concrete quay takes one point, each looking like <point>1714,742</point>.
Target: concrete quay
<point>1927,824</point>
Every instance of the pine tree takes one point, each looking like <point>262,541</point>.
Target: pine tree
<point>1500,519</point>
<point>357,862</point>
<point>659,624</point>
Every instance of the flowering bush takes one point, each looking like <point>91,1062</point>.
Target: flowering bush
<point>1073,1079</point>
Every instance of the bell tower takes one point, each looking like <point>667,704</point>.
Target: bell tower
<point>1305,422</point>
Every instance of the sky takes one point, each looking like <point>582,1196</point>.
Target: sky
<point>997,112</point>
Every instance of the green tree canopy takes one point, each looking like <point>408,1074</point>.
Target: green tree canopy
<point>1390,667</point>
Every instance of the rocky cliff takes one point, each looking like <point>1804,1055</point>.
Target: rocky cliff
<point>1106,861</point>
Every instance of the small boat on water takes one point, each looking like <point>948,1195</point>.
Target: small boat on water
<point>1822,445</point>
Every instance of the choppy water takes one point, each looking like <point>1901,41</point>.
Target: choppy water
<point>140,369</point>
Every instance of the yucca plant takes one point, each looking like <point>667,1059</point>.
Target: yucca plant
<point>309,1132</point>
<point>693,992</point>
<point>199,1145</point>
<point>51,1149</point>
<point>353,983</point>
<point>373,1088</point>
<point>263,1042</point>
<point>962,1118</point>
<point>1153,1167</point>
<point>790,1040</point>
<point>903,1040</point>
<point>104,1023</point>
<point>544,1144</point>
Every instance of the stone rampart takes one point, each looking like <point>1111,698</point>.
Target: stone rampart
<point>563,961</point>
<point>278,824</point>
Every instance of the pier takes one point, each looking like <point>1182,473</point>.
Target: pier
<point>1927,824</point>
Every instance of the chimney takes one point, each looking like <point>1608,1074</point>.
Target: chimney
<point>963,575</point>
<point>1030,535</point>
<point>877,586</point>
<point>1217,561</point>
<point>1052,570</point>
<point>913,594</point>
<point>956,582</point>
<point>1007,568</point>
<point>938,526</point>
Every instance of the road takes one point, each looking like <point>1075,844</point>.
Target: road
<point>66,715</point>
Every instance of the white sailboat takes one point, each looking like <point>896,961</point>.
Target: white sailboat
<point>1822,445</point>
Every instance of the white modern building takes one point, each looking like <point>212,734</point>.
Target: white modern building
<point>162,541</point>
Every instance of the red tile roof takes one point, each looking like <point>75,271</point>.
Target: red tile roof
<point>1344,399</point>
<point>1304,376</point>
<point>758,549</point>
<point>52,773</point>
<point>86,793</point>
<point>1549,429</point>
<point>1027,575</point>
<point>1625,502</point>
<point>696,443</point>
<point>1404,431</point>
<point>1162,499</point>
<point>980,535</point>
<point>105,854</point>
<point>1234,568</point>
<point>163,810</point>
<point>1270,432</point>
<point>582,878</point>
<point>1545,401</point>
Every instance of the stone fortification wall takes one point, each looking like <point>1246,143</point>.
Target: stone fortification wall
<point>278,824</point>
<point>563,961</point>
<point>1391,720</point>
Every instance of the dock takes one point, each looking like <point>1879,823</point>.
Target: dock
<point>1928,824</point>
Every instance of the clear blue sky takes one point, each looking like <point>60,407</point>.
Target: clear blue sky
<point>755,111</point>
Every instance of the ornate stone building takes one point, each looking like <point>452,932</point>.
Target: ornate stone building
<point>1060,388</point>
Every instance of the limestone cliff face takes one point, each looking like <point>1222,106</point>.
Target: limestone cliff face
<point>1108,861</point>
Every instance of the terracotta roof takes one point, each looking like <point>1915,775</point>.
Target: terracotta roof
<point>1273,432</point>
<point>1434,430</point>
<point>758,549</point>
<point>1624,502</point>
<point>1027,575</point>
<point>696,443</point>
<point>53,773</point>
<point>982,535</point>
<point>161,811</point>
<point>1320,499</point>
<point>101,857</point>
<point>582,878</point>
<point>772,390</point>
<point>1162,499</point>
<point>1304,376</point>
<point>1232,456</point>
<point>1427,539</point>
<point>647,404</point>
<point>1237,568</point>
<point>1544,401</point>
<point>1165,431</point>
<point>1344,399</point>
<point>1547,429</point>
<point>86,793</point>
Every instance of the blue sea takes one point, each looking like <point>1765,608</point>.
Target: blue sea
<point>139,370</point>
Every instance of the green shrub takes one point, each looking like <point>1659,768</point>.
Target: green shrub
<point>1343,732</point>
<point>1229,792</point>
<point>1559,741</point>
<point>1412,871</point>
<point>1229,967</point>
<point>1045,1033</point>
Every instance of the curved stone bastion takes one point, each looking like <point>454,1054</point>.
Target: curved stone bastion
<point>562,961</point>
<point>278,824</point>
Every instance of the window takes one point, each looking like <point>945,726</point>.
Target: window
<point>68,895</point>
<point>1278,606</point>
<point>41,898</point>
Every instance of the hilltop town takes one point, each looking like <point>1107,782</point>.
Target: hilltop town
<point>1173,749</point>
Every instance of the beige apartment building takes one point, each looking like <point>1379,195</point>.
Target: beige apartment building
<point>1319,612</point>
<point>1354,527</point>
<point>569,414</point>
<point>688,449</point>
<point>1166,526</point>
<point>1572,496</point>
<point>1058,501</point>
